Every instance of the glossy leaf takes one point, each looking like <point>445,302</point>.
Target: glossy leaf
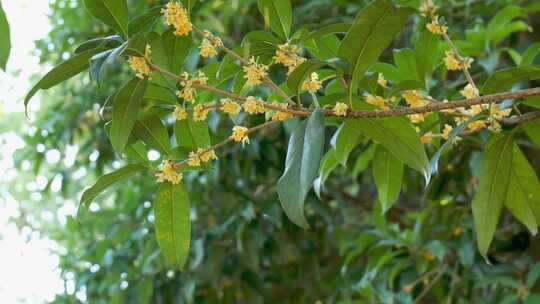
<point>173,224</point>
<point>344,141</point>
<point>301,166</point>
<point>523,196</point>
<point>125,109</point>
<point>503,80</point>
<point>328,164</point>
<point>100,61</point>
<point>532,128</point>
<point>373,30</point>
<point>107,180</point>
<point>363,160</point>
<point>493,189</point>
<point>113,13</point>
<point>5,39</point>
<point>278,15</point>
<point>388,174</point>
<point>192,134</point>
<point>152,131</point>
<point>63,71</point>
<point>427,49</point>
<point>144,22</point>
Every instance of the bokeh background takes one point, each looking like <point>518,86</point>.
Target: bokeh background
<point>244,250</point>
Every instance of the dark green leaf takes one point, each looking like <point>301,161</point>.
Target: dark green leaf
<point>427,49</point>
<point>532,128</point>
<point>336,28</point>
<point>152,131</point>
<point>328,164</point>
<point>192,134</point>
<point>504,79</point>
<point>113,13</point>
<point>533,275</point>
<point>125,109</point>
<point>108,179</point>
<point>530,54</point>
<point>173,224</point>
<point>344,141</point>
<point>492,191</point>
<point>64,71</point>
<point>302,163</point>
<point>5,39</point>
<point>278,15</point>
<point>388,174</point>
<point>113,40</point>
<point>372,31</point>
<point>363,161</point>
<point>99,62</point>
<point>523,196</point>
<point>144,22</point>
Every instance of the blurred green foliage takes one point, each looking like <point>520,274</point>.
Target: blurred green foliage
<point>243,248</point>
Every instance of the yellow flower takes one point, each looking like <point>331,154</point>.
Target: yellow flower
<point>413,98</point>
<point>416,118</point>
<point>497,113</point>
<point>240,134</point>
<point>200,112</point>
<point>446,131</point>
<point>254,105</point>
<point>177,16</point>
<point>281,116</point>
<point>230,107</point>
<point>376,101</point>
<point>206,155</point>
<point>188,93</point>
<point>436,28</point>
<point>287,55</point>
<point>453,63</point>
<point>477,125</point>
<point>140,64</point>
<point>469,91</point>
<point>207,49</point>
<point>382,81</point>
<point>313,84</point>
<point>340,109</point>
<point>428,9</point>
<point>193,159</point>
<point>180,113</point>
<point>255,72</point>
<point>426,138</point>
<point>168,173</point>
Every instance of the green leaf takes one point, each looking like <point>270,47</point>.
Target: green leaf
<point>109,41</point>
<point>176,48</point>
<point>144,22</point>
<point>372,31</point>
<point>492,191</point>
<point>398,136</point>
<point>533,275</point>
<point>344,141</point>
<point>301,73</point>
<point>152,131</point>
<point>328,164</point>
<point>173,224</point>
<point>523,196</point>
<point>63,71</point>
<point>427,50</point>
<point>301,165</point>
<point>108,179</point>
<point>363,161</point>
<point>113,13</point>
<point>532,128</point>
<point>530,54</point>
<point>5,39</point>
<point>125,109</point>
<point>504,79</point>
<point>137,151</point>
<point>336,28</point>
<point>278,15</point>
<point>99,62</point>
<point>388,174</point>
<point>192,134</point>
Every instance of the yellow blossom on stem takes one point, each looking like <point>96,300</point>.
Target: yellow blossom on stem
<point>209,44</point>
<point>426,138</point>
<point>453,63</point>
<point>200,112</point>
<point>340,109</point>
<point>416,118</point>
<point>287,55</point>
<point>230,107</point>
<point>240,134</point>
<point>254,105</point>
<point>280,115</point>
<point>177,16</point>
<point>435,27</point>
<point>188,92</point>
<point>193,159</point>
<point>446,131</point>
<point>469,91</point>
<point>168,173</point>
<point>477,125</point>
<point>428,8</point>
<point>255,72</point>
<point>413,98</point>
<point>180,113</point>
<point>382,81</point>
<point>140,64</point>
<point>206,155</point>
<point>312,84</point>
<point>376,101</point>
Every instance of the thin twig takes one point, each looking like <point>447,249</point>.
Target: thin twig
<point>428,288</point>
